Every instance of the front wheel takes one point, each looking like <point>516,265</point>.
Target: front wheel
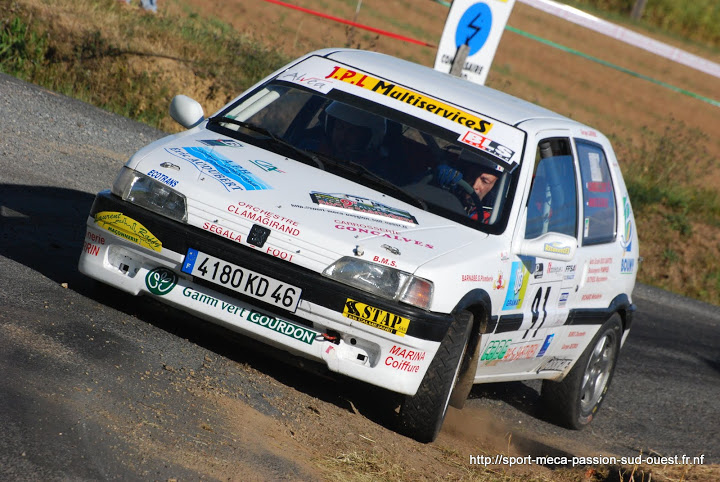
<point>574,401</point>
<point>422,415</point>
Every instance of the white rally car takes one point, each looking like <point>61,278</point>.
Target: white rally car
<point>401,226</point>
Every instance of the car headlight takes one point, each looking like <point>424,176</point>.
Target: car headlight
<point>382,281</point>
<point>145,191</point>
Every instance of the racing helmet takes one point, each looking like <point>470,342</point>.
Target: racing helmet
<point>372,126</point>
<point>474,163</point>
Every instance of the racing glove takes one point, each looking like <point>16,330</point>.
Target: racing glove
<point>447,176</point>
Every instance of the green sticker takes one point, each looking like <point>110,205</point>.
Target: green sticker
<point>160,281</point>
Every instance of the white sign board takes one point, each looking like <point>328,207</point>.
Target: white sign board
<point>479,24</point>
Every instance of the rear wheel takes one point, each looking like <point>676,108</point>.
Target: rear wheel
<point>422,415</point>
<point>574,401</point>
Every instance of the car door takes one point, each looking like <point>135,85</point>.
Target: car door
<point>539,286</point>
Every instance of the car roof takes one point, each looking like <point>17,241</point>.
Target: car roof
<point>490,102</point>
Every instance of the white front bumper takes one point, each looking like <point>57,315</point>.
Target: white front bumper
<point>360,352</point>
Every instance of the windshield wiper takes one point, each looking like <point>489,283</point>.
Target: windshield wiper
<point>362,171</point>
<point>350,166</point>
<point>261,130</point>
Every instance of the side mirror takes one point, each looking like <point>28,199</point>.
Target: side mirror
<point>186,111</point>
<point>555,246</point>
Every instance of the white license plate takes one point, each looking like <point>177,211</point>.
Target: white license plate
<point>242,280</point>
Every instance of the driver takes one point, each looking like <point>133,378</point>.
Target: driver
<point>480,174</point>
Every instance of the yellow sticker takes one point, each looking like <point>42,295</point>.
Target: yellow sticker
<point>375,317</point>
<point>127,228</point>
<point>414,99</point>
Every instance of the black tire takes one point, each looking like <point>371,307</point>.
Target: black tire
<point>421,416</point>
<point>574,401</point>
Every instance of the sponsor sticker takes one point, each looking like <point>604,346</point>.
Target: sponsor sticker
<point>390,235</point>
<point>477,278</point>
<point>278,325</point>
<point>361,205</point>
<point>221,143</point>
<point>555,364</point>
<point>375,317</point>
<point>539,270</point>
<point>598,270</point>
<point>127,228</point>
<point>160,281</point>
<point>546,344</point>
<point>496,350</point>
<point>266,166</point>
<point>224,232</point>
<point>310,81</point>
<point>267,218</point>
<point>286,328</point>
<point>411,98</point>
<point>626,241</point>
<point>165,179</point>
<point>500,283</point>
<point>488,145</point>
<point>522,351</point>
<point>556,248</point>
<point>627,265</point>
<point>210,162</point>
<point>404,360</point>
<point>91,249</point>
<point>516,287</point>
<point>385,261</point>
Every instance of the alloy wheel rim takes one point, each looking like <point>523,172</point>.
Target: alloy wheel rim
<point>598,370</point>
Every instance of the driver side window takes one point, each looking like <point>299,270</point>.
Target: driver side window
<point>552,204</point>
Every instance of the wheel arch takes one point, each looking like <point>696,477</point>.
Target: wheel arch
<point>621,305</point>
<point>477,302</point>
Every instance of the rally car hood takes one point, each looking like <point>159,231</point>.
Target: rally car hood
<point>314,217</point>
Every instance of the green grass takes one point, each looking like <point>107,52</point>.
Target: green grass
<point>92,65</point>
<point>664,170</point>
<point>21,50</point>
<point>693,20</point>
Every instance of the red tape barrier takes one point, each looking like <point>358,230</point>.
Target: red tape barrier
<point>353,24</point>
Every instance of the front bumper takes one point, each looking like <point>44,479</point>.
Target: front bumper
<point>316,330</point>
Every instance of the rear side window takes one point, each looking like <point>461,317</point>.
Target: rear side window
<point>599,213</point>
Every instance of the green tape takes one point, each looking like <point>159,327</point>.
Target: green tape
<point>616,67</point>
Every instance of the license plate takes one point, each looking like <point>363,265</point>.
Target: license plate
<point>242,280</point>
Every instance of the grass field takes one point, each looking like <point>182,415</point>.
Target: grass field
<point>131,62</point>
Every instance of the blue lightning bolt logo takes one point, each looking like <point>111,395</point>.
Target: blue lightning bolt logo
<point>477,28</point>
<point>474,27</point>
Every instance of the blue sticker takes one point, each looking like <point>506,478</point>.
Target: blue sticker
<point>208,161</point>
<point>474,27</point>
<point>516,287</point>
<point>627,265</point>
<point>190,259</point>
<point>545,346</point>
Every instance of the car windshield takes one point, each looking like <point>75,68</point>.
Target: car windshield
<point>374,145</point>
